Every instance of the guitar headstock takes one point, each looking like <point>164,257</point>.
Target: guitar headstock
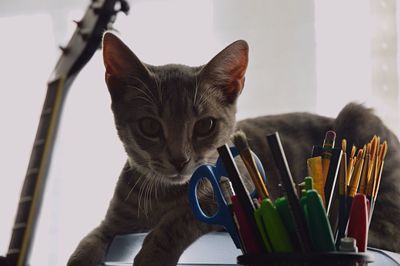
<point>99,17</point>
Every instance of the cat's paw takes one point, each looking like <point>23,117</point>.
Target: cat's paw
<point>88,253</point>
<point>155,257</point>
<point>83,261</point>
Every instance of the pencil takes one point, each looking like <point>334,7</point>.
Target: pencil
<point>343,170</point>
<point>374,195</point>
<point>355,179</point>
<point>382,161</point>
<point>352,161</point>
<point>372,168</point>
<point>315,170</point>
<point>342,195</point>
<point>329,143</point>
<point>363,182</point>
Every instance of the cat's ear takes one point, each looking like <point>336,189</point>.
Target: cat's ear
<point>227,70</point>
<point>120,62</point>
<point>118,58</point>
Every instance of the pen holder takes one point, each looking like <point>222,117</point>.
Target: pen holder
<point>309,259</point>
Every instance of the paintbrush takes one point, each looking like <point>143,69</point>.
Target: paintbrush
<point>240,141</point>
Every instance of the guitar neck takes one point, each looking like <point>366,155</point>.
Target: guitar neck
<point>35,178</point>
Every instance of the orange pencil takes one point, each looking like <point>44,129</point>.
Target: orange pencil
<point>372,167</point>
<point>374,194</point>
<point>352,161</point>
<point>355,179</point>
<point>382,156</point>
<point>363,182</point>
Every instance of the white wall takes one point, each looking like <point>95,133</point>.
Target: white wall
<point>301,51</point>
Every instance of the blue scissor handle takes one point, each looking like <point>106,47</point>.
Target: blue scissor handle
<point>223,215</point>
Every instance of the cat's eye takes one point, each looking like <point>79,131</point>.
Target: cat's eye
<point>150,127</point>
<point>204,127</point>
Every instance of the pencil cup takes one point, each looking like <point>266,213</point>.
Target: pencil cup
<point>309,259</point>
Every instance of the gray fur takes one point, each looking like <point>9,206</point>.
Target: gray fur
<point>151,194</point>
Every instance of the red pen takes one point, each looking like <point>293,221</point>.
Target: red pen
<point>358,221</point>
<point>246,231</point>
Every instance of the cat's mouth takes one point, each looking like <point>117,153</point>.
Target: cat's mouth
<point>177,179</point>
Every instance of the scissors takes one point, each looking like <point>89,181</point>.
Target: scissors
<point>223,215</point>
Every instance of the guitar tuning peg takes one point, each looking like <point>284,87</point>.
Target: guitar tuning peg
<point>64,50</point>
<point>78,23</point>
<point>124,6</point>
<point>84,35</point>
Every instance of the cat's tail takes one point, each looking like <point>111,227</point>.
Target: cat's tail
<point>358,125</point>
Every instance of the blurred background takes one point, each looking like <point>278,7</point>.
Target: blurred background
<point>306,55</point>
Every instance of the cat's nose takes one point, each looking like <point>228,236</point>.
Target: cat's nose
<point>180,163</point>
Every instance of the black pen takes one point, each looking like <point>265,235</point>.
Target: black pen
<point>289,186</point>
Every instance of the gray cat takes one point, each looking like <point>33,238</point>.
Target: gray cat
<point>172,118</point>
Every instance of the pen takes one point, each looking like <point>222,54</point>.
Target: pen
<point>300,225</point>
<point>227,192</point>
<point>244,205</point>
<point>246,228</point>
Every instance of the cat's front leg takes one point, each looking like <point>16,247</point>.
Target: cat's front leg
<point>121,218</point>
<point>164,244</point>
<point>91,249</point>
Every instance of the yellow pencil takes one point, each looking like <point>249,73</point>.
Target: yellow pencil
<point>355,179</point>
<point>382,160</point>
<point>343,170</point>
<point>352,161</point>
<point>314,166</point>
<point>372,168</point>
<point>364,173</point>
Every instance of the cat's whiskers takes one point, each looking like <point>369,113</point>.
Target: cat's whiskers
<point>142,196</point>
<point>133,187</point>
<point>147,196</point>
<point>152,191</point>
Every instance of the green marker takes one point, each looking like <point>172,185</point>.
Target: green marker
<point>282,206</point>
<point>318,223</point>
<point>274,227</point>
<point>261,229</point>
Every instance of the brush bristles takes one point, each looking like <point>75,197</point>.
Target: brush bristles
<point>239,140</point>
